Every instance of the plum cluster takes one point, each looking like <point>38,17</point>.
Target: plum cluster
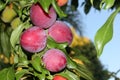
<point>34,39</point>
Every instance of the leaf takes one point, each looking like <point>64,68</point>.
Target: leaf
<point>45,4</point>
<point>105,33</point>
<point>7,74</point>
<point>109,4</point>
<point>52,44</point>
<point>21,73</point>
<point>91,1</point>
<point>36,63</point>
<point>4,41</point>
<point>58,9</point>
<point>2,5</point>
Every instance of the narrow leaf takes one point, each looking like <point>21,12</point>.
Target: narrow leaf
<point>105,33</point>
<point>21,73</point>
<point>7,74</point>
<point>36,63</point>
<point>58,9</point>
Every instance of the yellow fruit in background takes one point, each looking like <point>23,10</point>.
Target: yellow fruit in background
<point>19,68</point>
<point>1,56</point>
<point>12,59</point>
<point>86,40</point>
<point>6,60</point>
<point>8,14</point>
<point>15,22</point>
<point>78,61</point>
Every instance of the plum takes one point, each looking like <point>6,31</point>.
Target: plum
<point>60,32</point>
<point>59,77</point>
<point>33,39</point>
<point>54,60</point>
<point>40,18</point>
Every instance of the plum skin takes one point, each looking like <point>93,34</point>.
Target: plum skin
<point>60,32</point>
<point>33,39</point>
<point>54,60</point>
<point>40,18</point>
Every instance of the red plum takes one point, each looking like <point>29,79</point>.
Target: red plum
<point>33,39</point>
<point>54,60</point>
<point>60,32</point>
<point>40,18</point>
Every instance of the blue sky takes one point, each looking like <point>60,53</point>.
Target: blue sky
<point>91,23</point>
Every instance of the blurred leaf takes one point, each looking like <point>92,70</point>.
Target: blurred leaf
<point>75,4</point>
<point>79,69</point>
<point>4,41</point>
<point>87,7</point>
<point>7,74</point>
<point>105,33</point>
<point>2,5</point>
<point>21,73</point>
<point>91,1</point>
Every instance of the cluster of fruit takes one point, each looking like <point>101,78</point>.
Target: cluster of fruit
<point>38,41</point>
<point>34,39</point>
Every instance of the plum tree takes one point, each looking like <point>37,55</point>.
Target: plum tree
<point>40,18</point>
<point>59,77</point>
<point>54,60</point>
<point>62,2</point>
<point>60,32</point>
<point>33,39</point>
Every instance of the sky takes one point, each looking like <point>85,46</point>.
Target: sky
<point>91,23</point>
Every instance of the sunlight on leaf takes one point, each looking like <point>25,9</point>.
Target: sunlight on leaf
<point>108,4</point>
<point>7,74</point>
<point>105,33</point>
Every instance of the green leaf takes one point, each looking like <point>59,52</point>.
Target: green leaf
<point>2,5</point>
<point>105,33</point>
<point>45,4</point>
<point>91,1</point>
<point>21,73</point>
<point>14,39</point>
<point>58,9</point>
<point>4,41</point>
<point>36,61</point>
<point>109,4</point>
<point>7,74</point>
<point>52,44</point>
